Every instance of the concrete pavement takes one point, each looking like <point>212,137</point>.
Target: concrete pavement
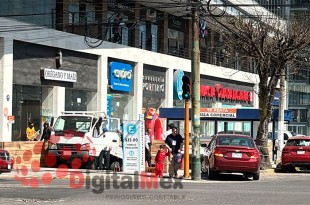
<point>67,173</point>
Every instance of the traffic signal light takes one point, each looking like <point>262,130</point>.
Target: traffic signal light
<point>186,87</point>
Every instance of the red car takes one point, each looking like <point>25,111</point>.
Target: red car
<point>231,153</point>
<point>6,162</point>
<point>296,153</point>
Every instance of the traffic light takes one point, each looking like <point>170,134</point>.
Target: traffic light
<point>186,87</point>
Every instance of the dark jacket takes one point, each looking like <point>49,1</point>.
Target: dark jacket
<point>46,133</point>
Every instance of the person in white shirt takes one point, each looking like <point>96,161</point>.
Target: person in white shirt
<point>148,156</point>
<point>168,132</point>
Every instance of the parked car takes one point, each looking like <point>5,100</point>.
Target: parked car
<point>296,153</point>
<point>6,162</point>
<point>231,153</point>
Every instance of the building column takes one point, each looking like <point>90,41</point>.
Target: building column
<point>163,35</point>
<point>169,89</point>
<point>138,91</point>
<point>136,32</point>
<point>6,87</point>
<point>102,84</point>
<point>59,100</point>
<point>62,14</point>
<point>188,39</point>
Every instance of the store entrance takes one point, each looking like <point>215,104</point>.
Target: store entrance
<point>30,112</point>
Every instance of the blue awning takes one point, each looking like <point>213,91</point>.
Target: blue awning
<point>241,115</point>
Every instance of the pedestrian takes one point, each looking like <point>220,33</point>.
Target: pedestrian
<point>46,134</point>
<point>276,148</point>
<point>148,156</point>
<point>30,131</point>
<point>168,132</point>
<point>175,143</point>
<point>163,151</point>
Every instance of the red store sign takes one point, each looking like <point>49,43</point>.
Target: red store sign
<point>225,93</point>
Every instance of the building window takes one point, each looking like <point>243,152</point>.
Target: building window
<point>175,43</point>
<point>80,100</point>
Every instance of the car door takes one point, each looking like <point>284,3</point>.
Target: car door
<point>209,158</point>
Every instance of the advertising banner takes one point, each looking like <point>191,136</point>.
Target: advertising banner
<point>133,146</point>
<point>218,112</point>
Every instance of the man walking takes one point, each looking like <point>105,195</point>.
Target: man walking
<point>148,156</point>
<point>175,142</point>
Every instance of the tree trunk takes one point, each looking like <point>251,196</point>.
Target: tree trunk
<point>265,111</point>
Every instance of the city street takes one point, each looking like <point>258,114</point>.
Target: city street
<point>272,188</point>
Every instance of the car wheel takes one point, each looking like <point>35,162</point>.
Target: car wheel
<point>256,176</point>
<point>203,167</point>
<point>92,164</point>
<point>210,173</point>
<point>283,169</point>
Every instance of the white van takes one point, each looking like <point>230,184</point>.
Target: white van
<point>287,135</point>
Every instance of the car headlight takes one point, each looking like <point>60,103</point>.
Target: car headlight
<point>53,146</point>
<point>85,147</point>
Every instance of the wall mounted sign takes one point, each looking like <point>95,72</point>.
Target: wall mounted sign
<point>177,84</point>
<point>276,99</point>
<point>225,93</point>
<point>120,76</point>
<point>218,112</point>
<point>59,75</point>
<point>154,82</point>
<point>176,23</point>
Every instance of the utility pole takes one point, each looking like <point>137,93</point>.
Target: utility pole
<point>281,114</point>
<point>195,70</point>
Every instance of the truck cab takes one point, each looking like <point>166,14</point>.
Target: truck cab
<point>88,139</point>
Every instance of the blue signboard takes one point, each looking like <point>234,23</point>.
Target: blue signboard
<point>177,84</point>
<point>276,99</point>
<point>109,105</point>
<point>120,76</point>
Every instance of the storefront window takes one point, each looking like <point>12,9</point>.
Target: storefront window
<point>80,100</point>
<point>121,105</point>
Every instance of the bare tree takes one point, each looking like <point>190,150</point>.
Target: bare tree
<point>271,44</point>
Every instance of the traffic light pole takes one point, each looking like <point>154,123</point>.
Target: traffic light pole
<point>186,144</point>
<point>195,70</point>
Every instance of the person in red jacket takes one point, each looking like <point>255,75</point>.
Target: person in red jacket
<point>160,159</point>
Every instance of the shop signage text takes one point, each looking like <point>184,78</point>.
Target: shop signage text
<point>120,76</point>
<point>225,93</point>
<point>154,83</point>
<point>218,112</point>
<point>59,75</point>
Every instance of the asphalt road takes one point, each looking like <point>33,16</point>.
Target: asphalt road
<point>274,188</point>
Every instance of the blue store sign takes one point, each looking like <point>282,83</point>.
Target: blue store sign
<point>276,99</point>
<point>177,84</point>
<point>109,105</point>
<point>120,76</point>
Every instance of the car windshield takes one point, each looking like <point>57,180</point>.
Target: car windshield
<point>73,123</point>
<point>298,142</point>
<point>235,141</point>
